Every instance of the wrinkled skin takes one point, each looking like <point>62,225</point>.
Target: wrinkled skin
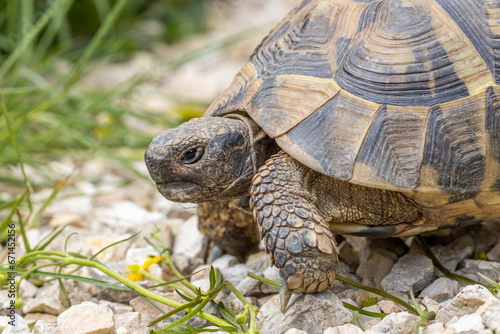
<point>204,160</point>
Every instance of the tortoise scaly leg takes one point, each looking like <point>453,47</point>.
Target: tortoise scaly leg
<point>230,226</point>
<point>295,234</point>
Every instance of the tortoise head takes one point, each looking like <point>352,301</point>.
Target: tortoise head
<point>204,160</point>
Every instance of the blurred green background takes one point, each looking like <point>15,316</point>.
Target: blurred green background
<point>46,48</point>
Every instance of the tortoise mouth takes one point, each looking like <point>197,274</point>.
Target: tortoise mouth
<point>179,191</point>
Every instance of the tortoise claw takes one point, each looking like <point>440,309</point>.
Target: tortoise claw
<point>285,295</point>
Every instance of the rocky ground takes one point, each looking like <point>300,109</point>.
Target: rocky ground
<point>105,202</point>
<point>121,204</point>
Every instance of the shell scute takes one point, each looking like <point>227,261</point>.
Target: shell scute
<point>395,94</point>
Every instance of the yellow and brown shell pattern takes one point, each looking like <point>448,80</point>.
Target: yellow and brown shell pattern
<point>398,94</point>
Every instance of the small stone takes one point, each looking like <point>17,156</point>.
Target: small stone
<point>124,217</point>
<point>225,261</point>
<point>387,247</point>
<point>388,306</point>
<point>450,255</point>
<point>494,253</point>
<point>259,261</point>
<point>49,299</point>
<point>441,289</point>
<point>397,323</point>
<point>4,320</point>
<point>44,327</point>
<point>479,264</point>
<point>344,329</point>
<point>363,319</point>
<point>432,305</point>
<point>20,326</point>
<point>86,318</point>
<point>139,304</point>
<point>466,302</point>
<point>371,323</point>
<point>485,235</point>
<point>273,274</point>
<point>131,321</point>
<point>139,254</point>
<point>411,271</point>
<point>122,330</point>
<point>32,318</point>
<point>236,273</point>
<point>473,273</point>
<point>435,328</point>
<point>117,308</point>
<point>375,269</point>
<point>189,240</point>
<point>200,272</point>
<point>27,289</point>
<point>470,323</point>
<point>203,284</point>
<point>347,254</point>
<point>4,299</point>
<point>78,291</point>
<point>146,319</point>
<point>263,300</point>
<point>317,313</point>
<point>65,219</point>
<point>186,264</point>
<point>248,286</point>
<point>490,312</point>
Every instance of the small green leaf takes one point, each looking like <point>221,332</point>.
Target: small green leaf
<point>186,298</point>
<point>212,278</point>
<point>229,316</point>
<point>369,301</point>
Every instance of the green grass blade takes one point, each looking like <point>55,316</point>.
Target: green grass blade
<point>367,313</point>
<point>94,44</point>
<point>114,244</point>
<point>8,123</point>
<point>52,29</point>
<point>492,282</point>
<point>104,284</point>
<point>48,238</point>
<point>8,219</point>
<point>30,36</point>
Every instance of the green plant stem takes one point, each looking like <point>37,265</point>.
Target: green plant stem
<point>378,292</point>
<point>367,313</point>
<point>68,260</point>
<point>252,310</point>
<point>170,264</point>
<point>27,256</point>
<point>175,286</point>
<point>427,252</point>
<point>29,271</point>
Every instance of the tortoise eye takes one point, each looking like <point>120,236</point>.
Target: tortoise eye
<point>192,155</point>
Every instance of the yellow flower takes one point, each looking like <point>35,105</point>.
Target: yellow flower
<point>137,271</point>
<point>151,260</point>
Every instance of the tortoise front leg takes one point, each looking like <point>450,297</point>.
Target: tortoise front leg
<point>230,225</point>
<point>295,234</point>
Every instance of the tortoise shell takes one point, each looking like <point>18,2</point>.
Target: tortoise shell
<point>397,94</point>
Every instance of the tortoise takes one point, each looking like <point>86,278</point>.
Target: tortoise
<point>363,117</point>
